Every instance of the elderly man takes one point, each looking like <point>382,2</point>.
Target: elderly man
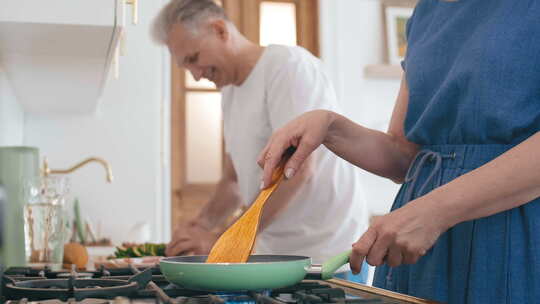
<point>321,210</point>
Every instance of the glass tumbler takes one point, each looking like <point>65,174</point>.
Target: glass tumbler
<point>44,220</point>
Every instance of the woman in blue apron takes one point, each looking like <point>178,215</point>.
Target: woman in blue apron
<point>464,140</point>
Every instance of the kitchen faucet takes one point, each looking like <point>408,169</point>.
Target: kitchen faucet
<point>47,171</point>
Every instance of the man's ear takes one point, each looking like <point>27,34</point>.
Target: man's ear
<point>220,29</point>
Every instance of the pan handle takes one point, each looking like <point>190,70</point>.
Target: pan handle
<point>334,263</point>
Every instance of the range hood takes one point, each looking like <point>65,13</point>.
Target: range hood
<point>57,53</point>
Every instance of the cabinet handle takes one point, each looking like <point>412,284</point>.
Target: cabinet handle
<point>122,43</point>
<point>134,10</point>
<point>116,63</point>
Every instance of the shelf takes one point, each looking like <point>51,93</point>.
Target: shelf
<point>383,71</point>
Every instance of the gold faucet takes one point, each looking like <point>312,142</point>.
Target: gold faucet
<point>47,171</point>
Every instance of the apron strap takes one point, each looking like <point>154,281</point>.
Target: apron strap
<point>416,167</point>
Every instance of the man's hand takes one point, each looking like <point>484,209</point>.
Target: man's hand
<point>191,238</point>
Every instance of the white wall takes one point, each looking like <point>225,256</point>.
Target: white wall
<point>351,38</point>
<point>11,114</point>
<point>128,131</point>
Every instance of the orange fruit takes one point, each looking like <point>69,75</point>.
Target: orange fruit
<point>75,253</point>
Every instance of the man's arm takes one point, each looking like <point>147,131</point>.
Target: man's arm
<point>225,200</point>
<point>199,235</point>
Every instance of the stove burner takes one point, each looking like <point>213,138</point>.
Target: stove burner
<point>240,298</point>
<point>302,293</point>
<point>80,275</point>
<point>77,288</point>
<point>85,301</point>
<point>313,292</point>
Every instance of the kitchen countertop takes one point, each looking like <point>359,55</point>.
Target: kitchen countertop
<point>97,253</point>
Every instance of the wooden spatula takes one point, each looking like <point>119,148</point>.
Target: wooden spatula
<point>236,243</point>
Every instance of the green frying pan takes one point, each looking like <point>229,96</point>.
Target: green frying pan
<point>260,272</point>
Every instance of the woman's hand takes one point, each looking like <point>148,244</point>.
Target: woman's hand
<point>306,133</point>
<point>399,237</point>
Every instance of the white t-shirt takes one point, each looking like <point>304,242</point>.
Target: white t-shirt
<point>328,214</point>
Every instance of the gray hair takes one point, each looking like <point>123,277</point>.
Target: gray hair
<point>191,13</point>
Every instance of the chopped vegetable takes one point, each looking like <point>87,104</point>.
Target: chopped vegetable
<point>139,250</point>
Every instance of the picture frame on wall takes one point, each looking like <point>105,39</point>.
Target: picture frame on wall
<point>396,13</point>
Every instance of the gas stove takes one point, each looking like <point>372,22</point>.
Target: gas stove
<point>147,285</point>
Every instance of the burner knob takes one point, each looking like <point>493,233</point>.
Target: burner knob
<point>121,300</point>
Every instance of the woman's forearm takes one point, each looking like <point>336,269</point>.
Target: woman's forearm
<point>384,154</point>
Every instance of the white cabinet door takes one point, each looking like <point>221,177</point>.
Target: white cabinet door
<point>57,53</point>
<point>82,12</point>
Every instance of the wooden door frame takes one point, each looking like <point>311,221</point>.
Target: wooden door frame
<point>179,183</point>
<point>307,16</point>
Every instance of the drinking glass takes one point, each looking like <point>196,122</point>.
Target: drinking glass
<point>44,220</point>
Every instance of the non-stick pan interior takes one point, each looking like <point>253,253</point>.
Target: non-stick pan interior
<point>257,258</point>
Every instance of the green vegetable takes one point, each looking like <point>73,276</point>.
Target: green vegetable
<point>146,249</point>
<point>81,231</point>
<point>136,252</point>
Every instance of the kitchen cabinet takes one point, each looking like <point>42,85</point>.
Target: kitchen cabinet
<point>95,12</point>
<point>57,54</point>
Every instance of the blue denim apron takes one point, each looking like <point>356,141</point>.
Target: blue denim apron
<point>489,260</point>
<point>473,73</point>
